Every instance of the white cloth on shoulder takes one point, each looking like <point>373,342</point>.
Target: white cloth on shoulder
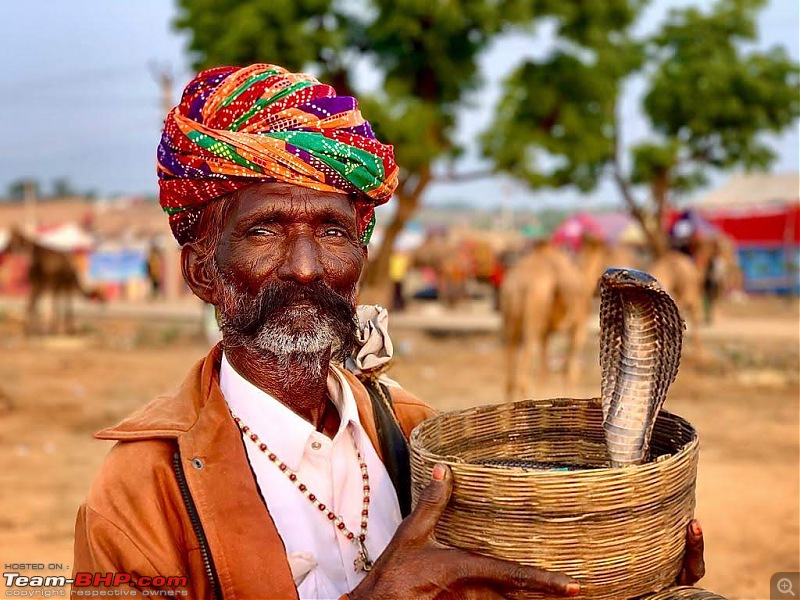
<point>376,350</point>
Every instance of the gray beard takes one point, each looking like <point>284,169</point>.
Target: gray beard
<point>300,331</point>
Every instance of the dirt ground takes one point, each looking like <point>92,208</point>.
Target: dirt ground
<point>741,393</point>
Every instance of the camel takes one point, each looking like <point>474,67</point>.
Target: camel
<point>54,272</point>
<point>456,265</point>
<point>433,255</point>
<point>683,280</point>
<point>544,293</point>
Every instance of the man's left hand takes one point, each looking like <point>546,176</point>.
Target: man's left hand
<point>694,566</point>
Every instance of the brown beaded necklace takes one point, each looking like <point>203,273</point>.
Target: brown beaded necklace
<point>362,563</point>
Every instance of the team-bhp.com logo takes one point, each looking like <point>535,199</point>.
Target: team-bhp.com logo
<point>87,584</point>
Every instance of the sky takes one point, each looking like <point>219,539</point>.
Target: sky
<point>79,100</point>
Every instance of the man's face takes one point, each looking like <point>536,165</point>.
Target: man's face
<point>288,263</point>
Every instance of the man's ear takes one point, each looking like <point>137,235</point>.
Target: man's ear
<point>196,274</point>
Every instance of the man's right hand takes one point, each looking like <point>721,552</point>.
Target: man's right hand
<point>415,566</point>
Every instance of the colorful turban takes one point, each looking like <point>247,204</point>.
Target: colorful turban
<point>239,126</point>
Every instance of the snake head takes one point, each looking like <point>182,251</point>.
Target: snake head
<point>629,277</point>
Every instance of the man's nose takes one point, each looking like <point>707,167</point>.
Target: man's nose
<point>301,261</point>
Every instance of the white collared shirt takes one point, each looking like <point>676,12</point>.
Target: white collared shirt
<point>321,557</point>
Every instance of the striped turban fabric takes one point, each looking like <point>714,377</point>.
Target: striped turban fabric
<point>239,126</point>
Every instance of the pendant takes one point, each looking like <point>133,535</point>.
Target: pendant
<point>362,563</point>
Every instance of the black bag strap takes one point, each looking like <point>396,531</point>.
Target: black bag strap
<point>393,442</point>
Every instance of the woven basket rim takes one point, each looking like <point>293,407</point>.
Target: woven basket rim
<point>454,462</point>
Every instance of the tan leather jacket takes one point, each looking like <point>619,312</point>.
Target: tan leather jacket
<point>176,495</point>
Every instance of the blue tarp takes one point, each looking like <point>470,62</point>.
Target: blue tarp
<point>774,269</point>
<point>117,266</point>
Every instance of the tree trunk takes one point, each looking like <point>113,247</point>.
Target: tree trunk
<point>376,283</point>
<point>660,191</point>
<point>653,231</point>
<point>656,237</point>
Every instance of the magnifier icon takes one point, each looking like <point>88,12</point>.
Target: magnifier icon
<point>785,586</point>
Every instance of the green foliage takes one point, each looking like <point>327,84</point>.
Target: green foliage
<point>709,100</point>
<point>651,161</point>
<point>659,162</point>
<point>594,24</point>
<point>62,188</point>
<point>428,49</point>
<point>427,52</point>
<point>711,97</point>
<point>230,32</point>
<point>554,125</point>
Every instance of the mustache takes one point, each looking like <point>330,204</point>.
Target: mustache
<point>276,298</point>
<point>250,314</point>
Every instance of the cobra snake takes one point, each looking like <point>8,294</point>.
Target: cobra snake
<point>641,334</point>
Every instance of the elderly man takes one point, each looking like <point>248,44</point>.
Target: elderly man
<point>268,474</point>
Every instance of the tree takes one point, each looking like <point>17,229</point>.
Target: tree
<point>425,53</point>
<point>62,188</point>
<point>22,189</point>
<point>710,100</point>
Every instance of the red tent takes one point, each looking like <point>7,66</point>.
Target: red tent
<point>760,209</point>
<point>768,226</point>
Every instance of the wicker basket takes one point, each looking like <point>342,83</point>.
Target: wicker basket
<point>620,532</point>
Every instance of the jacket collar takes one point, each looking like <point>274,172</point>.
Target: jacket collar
<point>170,416</point>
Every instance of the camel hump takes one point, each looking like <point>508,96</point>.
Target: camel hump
<point>680,276</point>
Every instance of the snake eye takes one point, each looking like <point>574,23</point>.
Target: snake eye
<point>625,275</point>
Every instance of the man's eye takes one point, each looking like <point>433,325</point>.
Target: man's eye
<point>260,231</point>
<point>336,232</point>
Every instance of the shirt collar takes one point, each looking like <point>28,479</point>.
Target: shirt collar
<point>285,432</point>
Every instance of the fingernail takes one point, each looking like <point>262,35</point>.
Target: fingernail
<point>439,472</point>
<point>573,589</point>
<point>696,529</point>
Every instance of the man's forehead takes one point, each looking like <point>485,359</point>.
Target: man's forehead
<point>287,198</point>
